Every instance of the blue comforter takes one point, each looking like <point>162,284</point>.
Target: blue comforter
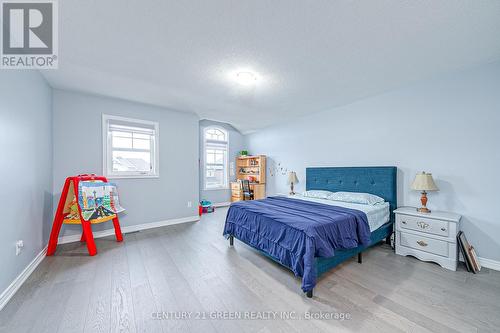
<point>294,231</point>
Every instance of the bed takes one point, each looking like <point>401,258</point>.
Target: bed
<point>311,237</point>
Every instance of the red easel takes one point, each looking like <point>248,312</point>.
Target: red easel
<point>71,185</point>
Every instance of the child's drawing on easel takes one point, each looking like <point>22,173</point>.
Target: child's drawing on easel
<point>98,201</point>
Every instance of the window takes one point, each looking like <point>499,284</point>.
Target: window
<point>215,158</point>
<point>130,147</point>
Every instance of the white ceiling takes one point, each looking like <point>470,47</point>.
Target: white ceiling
<point>310,55</point>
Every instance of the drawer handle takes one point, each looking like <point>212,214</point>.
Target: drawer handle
<point>423,225</point>
<point>443,229</point>
<point>404,222</point>
<point>421,243</point>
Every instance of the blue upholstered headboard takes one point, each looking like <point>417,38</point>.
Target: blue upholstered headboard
<point>380,181</point>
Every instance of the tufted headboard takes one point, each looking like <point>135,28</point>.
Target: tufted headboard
<point>380,181</point>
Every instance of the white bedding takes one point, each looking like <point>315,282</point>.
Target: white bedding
<point>378,214</point>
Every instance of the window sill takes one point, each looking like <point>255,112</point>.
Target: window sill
<point>132,176</point>
<point>217,189</point>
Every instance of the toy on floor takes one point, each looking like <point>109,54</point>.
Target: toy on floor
<point>206,207</point>
<point>97,202</point>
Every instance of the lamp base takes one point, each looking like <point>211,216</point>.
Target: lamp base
<point>423,200</point>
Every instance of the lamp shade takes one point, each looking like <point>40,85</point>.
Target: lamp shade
<point>292,178</point>
<point>424,182</point>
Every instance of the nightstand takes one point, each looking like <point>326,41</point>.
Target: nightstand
<point>428,236</point>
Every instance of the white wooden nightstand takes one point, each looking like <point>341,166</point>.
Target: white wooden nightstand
<point>428,236</point>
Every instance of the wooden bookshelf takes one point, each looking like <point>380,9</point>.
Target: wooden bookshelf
<point>252,168</point>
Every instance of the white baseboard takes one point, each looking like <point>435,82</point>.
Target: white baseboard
<point>222,204</point>
<point>485,262</point>
<point>128,229</point>
<point>490,263</point>
<point>21,278</point>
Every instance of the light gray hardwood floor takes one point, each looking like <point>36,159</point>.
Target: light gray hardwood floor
<point>190,267</point>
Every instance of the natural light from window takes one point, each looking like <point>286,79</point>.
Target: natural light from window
<point>130,148</point>
<point>215,158</point>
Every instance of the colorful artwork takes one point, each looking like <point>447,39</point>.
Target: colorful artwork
<point>98,201</point>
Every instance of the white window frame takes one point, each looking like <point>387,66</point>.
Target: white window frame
<point>107,148</point>
<point>226,159</point>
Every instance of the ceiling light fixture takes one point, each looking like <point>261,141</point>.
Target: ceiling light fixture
<point>246,78</point>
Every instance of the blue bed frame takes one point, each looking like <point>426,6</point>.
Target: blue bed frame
<point>381,181</point>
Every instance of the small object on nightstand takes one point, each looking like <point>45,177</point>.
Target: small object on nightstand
<point>424,182</point>
<point>428,236</point>
<point>292,179</point>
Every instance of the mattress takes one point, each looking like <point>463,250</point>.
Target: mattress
<point>377,215</point>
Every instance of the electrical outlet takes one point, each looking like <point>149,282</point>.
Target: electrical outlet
<point>190,204</point>
<point>19,247</point>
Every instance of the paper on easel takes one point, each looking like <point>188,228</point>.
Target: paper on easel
<point>98,200</point>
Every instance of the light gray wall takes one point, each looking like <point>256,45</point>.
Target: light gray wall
<point>448,126</point>
<point>78,149</point>
<point>26,169</point>
<point>235,145</point>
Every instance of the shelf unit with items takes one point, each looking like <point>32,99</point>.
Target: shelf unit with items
<point>253,169</point>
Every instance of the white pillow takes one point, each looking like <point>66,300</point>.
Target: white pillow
<point>356,197</point>
<point>318,194</point>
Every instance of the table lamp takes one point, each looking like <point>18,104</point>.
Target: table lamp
<point>424,182</point>
<point>292,179</point>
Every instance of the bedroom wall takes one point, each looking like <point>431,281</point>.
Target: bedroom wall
<point>235,145</point>
<point>78,149</point>
<point>447,126</point>
<point>26,169</point>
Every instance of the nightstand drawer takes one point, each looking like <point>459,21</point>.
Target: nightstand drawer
<point>425,244</point>
<point>430,226</point>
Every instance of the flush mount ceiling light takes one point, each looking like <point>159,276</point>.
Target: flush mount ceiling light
<point>246,78</point>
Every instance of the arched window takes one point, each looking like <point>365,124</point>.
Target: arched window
<point>215,134</point>
<point>215,158</point>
